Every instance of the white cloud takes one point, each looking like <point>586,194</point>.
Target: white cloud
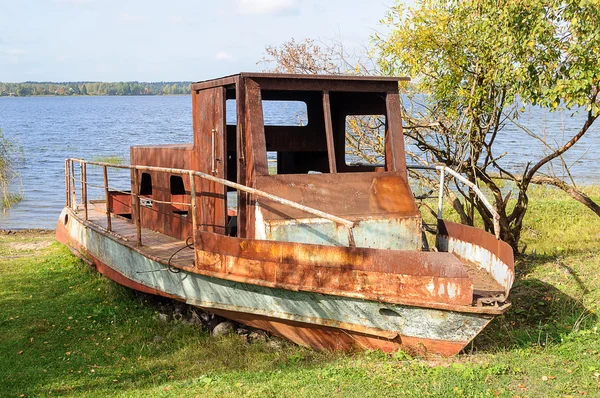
<point>14,52</point>
<point>12,55</point>
<point>125,17</point>
<point>223,56</point>
<point>73,2</point>
<point>268,7</point>
<point>176,19</point>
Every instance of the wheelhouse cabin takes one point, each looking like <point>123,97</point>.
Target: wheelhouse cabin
<point>305,160</point>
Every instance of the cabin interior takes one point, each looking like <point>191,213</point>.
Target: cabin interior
<point>304,152</point>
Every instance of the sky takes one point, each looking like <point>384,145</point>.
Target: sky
<point>175,40</point>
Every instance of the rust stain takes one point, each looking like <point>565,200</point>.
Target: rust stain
<point>391,195</point>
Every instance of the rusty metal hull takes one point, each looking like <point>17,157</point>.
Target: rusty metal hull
<point>475,246</point>
<point>320,321</point>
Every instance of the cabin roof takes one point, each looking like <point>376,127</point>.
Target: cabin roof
<point>353,79</point>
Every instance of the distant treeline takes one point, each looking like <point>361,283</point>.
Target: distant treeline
<point>93,88</point>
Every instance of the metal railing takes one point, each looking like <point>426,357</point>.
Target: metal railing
<point>71,195</point>
<point>443,170</point>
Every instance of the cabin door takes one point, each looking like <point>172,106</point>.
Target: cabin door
<point>209,152</point>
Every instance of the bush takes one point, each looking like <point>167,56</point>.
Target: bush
<point>10,155</point>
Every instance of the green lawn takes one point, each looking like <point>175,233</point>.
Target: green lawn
<point>65,330</point>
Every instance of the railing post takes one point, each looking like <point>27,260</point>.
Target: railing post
<point>84,189</point>
<point>193,206</point>
<point>351,242</point>
<point>135,204</point>
<point>74,198</point>
<point>67,184</point>
<point>441,197</point>
<point>107,194</point>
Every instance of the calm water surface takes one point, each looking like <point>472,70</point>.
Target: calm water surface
<point>50,129</point>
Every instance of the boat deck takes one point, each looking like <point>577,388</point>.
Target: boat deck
<point>164,248</point>
<point>154,244</point>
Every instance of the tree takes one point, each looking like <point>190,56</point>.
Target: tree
<point>476,62</point>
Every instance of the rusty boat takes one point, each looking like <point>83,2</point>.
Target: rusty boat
<point>271,225</point>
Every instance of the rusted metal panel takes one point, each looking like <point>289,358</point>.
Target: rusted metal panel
<point>157,214</point>
<point>210,157</point>
<point>329,132</point>
<point>394,137</point>
<point>345,195</point>
<point>381,233</point>
<point>233,79</point>
<point>119,203</point>
<point>255,152</point>
<point>241,140</point>
<point>304,77</point>
<point>473,244</point>
<point>326,83</point>
<point>397,276</point>
<point>224,81</point>
<point>321,337</point>
<point>255,131</point>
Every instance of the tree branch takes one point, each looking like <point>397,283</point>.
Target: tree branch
<point>556,182</point>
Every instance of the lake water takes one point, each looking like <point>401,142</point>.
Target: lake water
<point>50,129</point>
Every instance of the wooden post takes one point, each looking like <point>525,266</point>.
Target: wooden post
<point>135,203</point>
<point>67,184</point>
<point>193,206</point>
<point>74,201</point>
<point>84,189</point>
<point>107,194</point>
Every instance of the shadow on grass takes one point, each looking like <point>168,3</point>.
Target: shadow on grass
<point>540,314</point>
<point>65,329</point>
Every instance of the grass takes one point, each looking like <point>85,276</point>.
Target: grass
<point>65,330</point>
<point>110,159</point>
<point>9,199</point>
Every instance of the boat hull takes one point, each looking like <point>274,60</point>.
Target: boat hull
<point>320,321</point>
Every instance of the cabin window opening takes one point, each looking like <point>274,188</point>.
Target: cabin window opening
<point>365,140</point>
<point>146,190</point>
<point>177,187</point>
<point>285,113</point>
<point>294,128</point>
<point>231,112</point>
<point>275,113</point>
<point>178,195</point>
<point>146,185</point>
<point>272,162</point>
